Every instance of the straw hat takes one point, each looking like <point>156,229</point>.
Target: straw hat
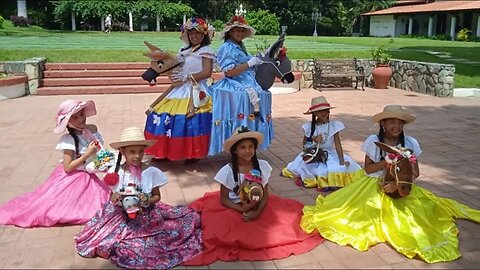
<point>237,21</point>
<point>198,24</point>
<point>70,107</point>
<point>318,104</point>
<point>241,133</point>
<point>394,111</point>
<point>132,136</point>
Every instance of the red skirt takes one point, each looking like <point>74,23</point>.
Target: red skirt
<point>276,234</point>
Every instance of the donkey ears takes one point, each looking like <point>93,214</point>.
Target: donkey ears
<point>387,148</point>
<point>276,46</point>
<point>152,47</point>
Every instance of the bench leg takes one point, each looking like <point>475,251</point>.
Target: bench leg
<point>363,83</point>
<point>356,83</point>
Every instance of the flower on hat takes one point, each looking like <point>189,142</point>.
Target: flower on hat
<point>239,19</point>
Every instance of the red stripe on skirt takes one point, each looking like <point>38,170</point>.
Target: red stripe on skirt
<point>178,148</point>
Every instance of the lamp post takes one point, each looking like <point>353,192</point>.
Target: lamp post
<point>315,17</point>
<point>240,11</point>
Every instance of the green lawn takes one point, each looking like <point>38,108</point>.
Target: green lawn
<point>66,46</point>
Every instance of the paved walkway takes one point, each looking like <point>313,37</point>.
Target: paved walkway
<point>448,129</point>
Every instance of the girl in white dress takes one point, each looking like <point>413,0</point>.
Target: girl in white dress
<point>180,130</point>
<point>338,169</point>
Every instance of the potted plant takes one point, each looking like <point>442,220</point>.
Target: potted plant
<point>382,71</point>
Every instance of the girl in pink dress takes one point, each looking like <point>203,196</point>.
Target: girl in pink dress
<point>71,195</point>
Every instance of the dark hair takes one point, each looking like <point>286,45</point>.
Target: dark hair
<point>313,125</point>
<point>71,131</point>
<point>234,161</point>
<point>205,42</point>
<point>381,138</point>
<point>242,45</point>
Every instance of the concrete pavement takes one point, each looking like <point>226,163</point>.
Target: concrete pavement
<point>448,130</point>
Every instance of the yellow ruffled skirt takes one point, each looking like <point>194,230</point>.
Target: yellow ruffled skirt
<point>361,215</point>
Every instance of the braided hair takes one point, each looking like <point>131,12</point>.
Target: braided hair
<point>234,161</point>
<point>381,138</point>
<point>71,131</point>
<point>313,125</point>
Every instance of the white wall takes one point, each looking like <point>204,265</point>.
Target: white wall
<point>382,25</point>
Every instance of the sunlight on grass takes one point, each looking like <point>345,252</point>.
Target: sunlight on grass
<point>88,46</point>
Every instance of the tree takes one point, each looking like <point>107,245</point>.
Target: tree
<point>264,22</point>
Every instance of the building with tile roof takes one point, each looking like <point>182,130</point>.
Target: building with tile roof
<point>426,17</point>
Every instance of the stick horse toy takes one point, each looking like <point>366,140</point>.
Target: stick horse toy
<point>399,169</point>
<point>160,63</point>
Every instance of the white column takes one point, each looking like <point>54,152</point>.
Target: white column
<point>184,18</point>
<point>452,27</point>
<point>410,26</point>
<point>74,23</point>
<point>478,26</point>
<point>102,23</point>
<point>130,21</point>
<point>430,26</point>
<point>158,23</point>
<point>22,8</point>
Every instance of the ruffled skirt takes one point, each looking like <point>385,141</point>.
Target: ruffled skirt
<point>160,238</point>
<point>232,108</point>
<point>276,234</point>
<point>361,215</point>
<point>65,198</point>
<point>322,175</point>
<point>176,136</point>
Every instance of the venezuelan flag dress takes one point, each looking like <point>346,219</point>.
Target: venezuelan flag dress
<point>231,101</point>
<point>176,136</point>
<point>362,215</point>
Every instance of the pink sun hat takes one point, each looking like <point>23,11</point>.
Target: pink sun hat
<point>68,108</point>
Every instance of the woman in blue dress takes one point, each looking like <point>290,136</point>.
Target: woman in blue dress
<point>238,100</point>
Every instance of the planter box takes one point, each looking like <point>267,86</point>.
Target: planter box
<point>12,87</point>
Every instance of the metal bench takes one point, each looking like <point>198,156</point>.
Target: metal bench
<point>337,73</point>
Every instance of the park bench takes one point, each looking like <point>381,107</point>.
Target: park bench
<point>337,73</point>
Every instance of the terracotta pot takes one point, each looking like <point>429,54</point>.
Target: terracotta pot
<point>381,76</point>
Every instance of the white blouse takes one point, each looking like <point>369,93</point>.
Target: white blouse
<point>327,131</point>
<point>67,142</point>
<point>225,177</point>
<point>373,152</point>
<point>152,177</point>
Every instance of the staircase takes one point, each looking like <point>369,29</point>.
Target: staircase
<point>109,78</point>
<point>97,78</point>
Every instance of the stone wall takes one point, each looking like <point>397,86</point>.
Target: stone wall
<point>421,77</point>
<point>32,67</point>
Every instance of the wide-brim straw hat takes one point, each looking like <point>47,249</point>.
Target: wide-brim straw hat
<point>70,107</point>
<point>131,136</point>
<point>240,134</point>
<point>198,24</point>
<point>318,104</point>
<point>394,111</point>
<point>237,21</point>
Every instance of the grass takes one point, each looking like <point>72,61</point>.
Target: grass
<point>66,46</point>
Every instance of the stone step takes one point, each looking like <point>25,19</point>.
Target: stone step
<point>103,89</point>
<point>93,73</point>
<point>96,66</point>
<point>100,81</point>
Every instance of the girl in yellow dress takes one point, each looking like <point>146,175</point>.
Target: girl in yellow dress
<point>362,214</point>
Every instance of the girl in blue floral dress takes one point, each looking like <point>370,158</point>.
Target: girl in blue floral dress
<point>238,100</point>
<point>146,235</point>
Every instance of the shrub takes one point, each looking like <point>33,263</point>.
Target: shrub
<point>20,21</point>
<point>262,45</point>
<point>463,34</point>
<point>1,22</point>
<point>441,37</point>
<point>264,22</point>
<point>218,24</point>
<point>380,54</point>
